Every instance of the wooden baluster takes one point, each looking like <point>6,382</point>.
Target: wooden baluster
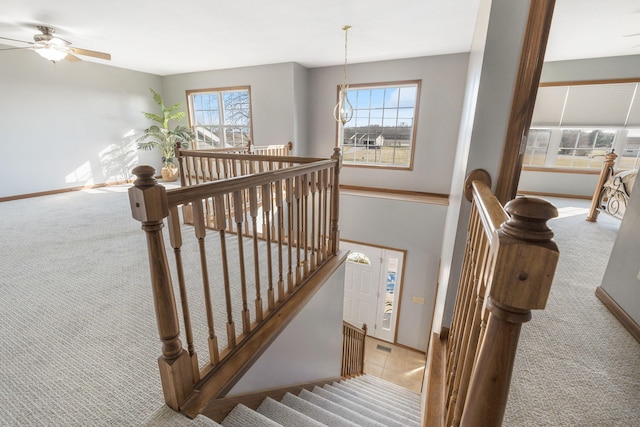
<point>304,229</point>
<point>312,233</point>
<point>605,173</point>
<point>468,283</point>
<point>266,208</point>
<point>471,331</point>
<point>200,233</point>
<point>289,199</point>
<point>279,208</point>
<point>239,216</point>
<point>364,337</point>
<point>181,167</point>
<point>220,226</point>
<point>335,202</point>
<point>253,207</point>
<point>297,193</point>
<point>323,214</point>
<point>521,281</point>
<point>149,206</point>
<point>175,238</point>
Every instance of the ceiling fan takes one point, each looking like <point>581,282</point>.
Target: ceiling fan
<point>54,48</point>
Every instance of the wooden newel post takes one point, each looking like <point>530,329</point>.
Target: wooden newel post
<point>335,202</point>
<point>607,168</point>
<point>149,205</point>
<point>526,259</point>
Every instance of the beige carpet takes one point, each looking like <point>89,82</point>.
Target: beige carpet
<point>78,341</point>
<point>576,365</point>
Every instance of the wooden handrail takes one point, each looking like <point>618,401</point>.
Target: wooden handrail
<point>508,266</point>
<point>295,208</point>
<point>353,343</point>
<point>606,172</point>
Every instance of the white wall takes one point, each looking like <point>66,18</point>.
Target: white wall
<point>416,227</point>
<point>68,124</point>
<point>308,349</point>
<point>272,97</point>
<point>440,106</point>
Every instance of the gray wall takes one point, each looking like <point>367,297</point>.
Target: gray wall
<point>297,355</point>
<point>621,67</point>
<point>493,65</point>
<point>289,103</point>
<point>272,97</point>
<point>621,276</point>
<point>437,128</point>
<point>414,227</point>
<point>68,124</point>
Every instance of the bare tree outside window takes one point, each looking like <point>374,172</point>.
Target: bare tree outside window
<point>221,118</point>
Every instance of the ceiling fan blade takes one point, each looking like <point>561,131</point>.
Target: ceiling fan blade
<point>631,35</point>
<point>17,48</point>
<point>92,53</point>
<point>15,40</point>
<point>71,57</point>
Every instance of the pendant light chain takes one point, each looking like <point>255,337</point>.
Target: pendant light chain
<point>343,111</point>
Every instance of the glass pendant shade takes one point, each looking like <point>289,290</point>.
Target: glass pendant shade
<point>51,53</point>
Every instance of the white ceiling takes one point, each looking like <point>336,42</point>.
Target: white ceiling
<point>167,37</point>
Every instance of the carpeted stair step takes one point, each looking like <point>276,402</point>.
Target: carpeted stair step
<point>387,418</point>
<point>241,416</point>
<point>377,395</point>
<point>167,417</point>
<point>348,414</point>
<point>386,408</point>
<point>390,387</point>
<point>315,412</point>
<point>390,392</point>
<point>284,415</point>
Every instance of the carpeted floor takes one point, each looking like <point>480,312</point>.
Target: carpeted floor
<point>576,365</point>
<point>78,341</point>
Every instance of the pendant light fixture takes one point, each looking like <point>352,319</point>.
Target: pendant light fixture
<point>343,111</point>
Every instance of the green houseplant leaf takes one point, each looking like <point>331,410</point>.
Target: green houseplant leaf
<point>159,135</point>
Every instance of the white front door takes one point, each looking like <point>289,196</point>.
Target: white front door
<point>371,288</point>
<point>362,274</point>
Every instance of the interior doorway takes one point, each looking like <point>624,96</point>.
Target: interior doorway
<point>372,288</point>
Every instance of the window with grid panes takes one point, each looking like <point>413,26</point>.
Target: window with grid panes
<point>383,128</point>
<point>221,118</point>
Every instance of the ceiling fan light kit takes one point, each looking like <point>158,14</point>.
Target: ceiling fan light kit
<point>56,49</point>
<point>50,53</point>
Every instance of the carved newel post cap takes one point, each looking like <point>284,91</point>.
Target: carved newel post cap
<point>145,176</point>
<point>528,218</point>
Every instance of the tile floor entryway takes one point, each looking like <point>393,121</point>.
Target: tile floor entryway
<point>397,365</point>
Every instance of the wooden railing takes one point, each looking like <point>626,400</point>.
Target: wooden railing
<point>606,173</point>
<point>352,349</point>
<point>508,266</point>
<point>200,166</point>
<point>220,280</point>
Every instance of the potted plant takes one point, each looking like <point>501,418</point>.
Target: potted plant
<point>160,136</point>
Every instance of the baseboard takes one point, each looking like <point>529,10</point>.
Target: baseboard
<point>60,191</point>
<point>218,409</point>
<point>622,316</point>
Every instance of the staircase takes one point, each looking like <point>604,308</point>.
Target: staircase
<point>362,401</point>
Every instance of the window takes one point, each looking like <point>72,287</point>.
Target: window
<point>581,148</point>
<point>383,128</point>
<point>358,258</point>
<point>221,117</point>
